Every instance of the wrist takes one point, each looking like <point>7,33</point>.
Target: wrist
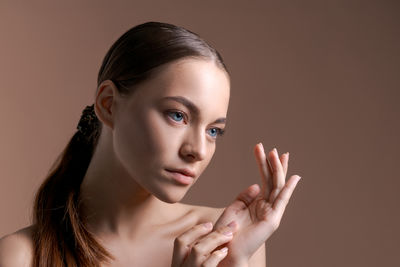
<point>229,262</point>
<point>244,264</point>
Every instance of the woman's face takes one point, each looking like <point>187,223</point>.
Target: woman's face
<point>171,123</point>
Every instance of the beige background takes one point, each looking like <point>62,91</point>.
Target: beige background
<point>319,79</point>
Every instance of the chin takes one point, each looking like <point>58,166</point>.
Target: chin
<point>170,197</point>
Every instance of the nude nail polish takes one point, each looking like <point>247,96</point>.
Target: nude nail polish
<point>207,225</point>
<point>232,224</point>
<point>262,147</point>
<point>228,233</point>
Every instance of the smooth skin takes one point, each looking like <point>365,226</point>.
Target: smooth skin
<point>132,202</point>
<point>196,247</point>
<point>258,212</point>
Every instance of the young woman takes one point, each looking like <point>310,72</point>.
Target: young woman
<point>112,198</point>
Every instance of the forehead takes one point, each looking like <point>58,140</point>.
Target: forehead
<point>201,82</point>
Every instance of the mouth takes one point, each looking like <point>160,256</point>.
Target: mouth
<point>184,177</point>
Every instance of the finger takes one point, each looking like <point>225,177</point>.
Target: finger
<point>278,176</point>
<point>246,197</point>
<point>202,248</point>
<point>182,243</point>
<point>277,169</point>
<point>242,201</point>
<point>264,169</point>
<point>284,159</point>
<point>284,196</point>
<point>216,257</point>
<point>285,162</point>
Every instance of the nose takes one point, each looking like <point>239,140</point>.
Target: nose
<point>194,146</point>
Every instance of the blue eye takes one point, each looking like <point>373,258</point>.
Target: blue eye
<point>214,132</point>
<point>176,116</point>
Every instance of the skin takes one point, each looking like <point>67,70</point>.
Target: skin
<point>132,203</point>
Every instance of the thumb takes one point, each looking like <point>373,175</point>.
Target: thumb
<point>242,201</point>
<point>247,196</point>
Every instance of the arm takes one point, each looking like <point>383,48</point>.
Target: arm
<point>259,258</point>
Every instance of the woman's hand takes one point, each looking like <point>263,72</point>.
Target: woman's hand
<point>196,247</point>
<point>258,212</point>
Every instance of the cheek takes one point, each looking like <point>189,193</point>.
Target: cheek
<point>132,144</point>
<point>145,141</point>
<point>161,139</point>
<point>210,154</point>
<point>204,163</point>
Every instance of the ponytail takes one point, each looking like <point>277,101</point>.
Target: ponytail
<point>60,236</point>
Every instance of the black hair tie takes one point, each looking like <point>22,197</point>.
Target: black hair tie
<point>88,122</point>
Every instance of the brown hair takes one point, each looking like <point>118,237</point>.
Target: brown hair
<point>61,237</point>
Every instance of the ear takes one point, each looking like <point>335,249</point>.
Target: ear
<point>105,103</point>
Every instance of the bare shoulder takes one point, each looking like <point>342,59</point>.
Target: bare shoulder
<point>16,249</point>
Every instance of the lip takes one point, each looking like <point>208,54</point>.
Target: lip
<point>181,177</point>
<point>186,172</point>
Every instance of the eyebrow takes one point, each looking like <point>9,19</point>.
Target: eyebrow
<point>191,106</point>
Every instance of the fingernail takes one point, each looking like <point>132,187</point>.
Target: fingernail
<point>276,151</point>
<point>232,224</point>
<point>262,147</point>
<point>228,233</point>
<point>207,225</point>
<point>224,250</point>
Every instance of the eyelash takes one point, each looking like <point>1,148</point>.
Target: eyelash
<point>220,131</point>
